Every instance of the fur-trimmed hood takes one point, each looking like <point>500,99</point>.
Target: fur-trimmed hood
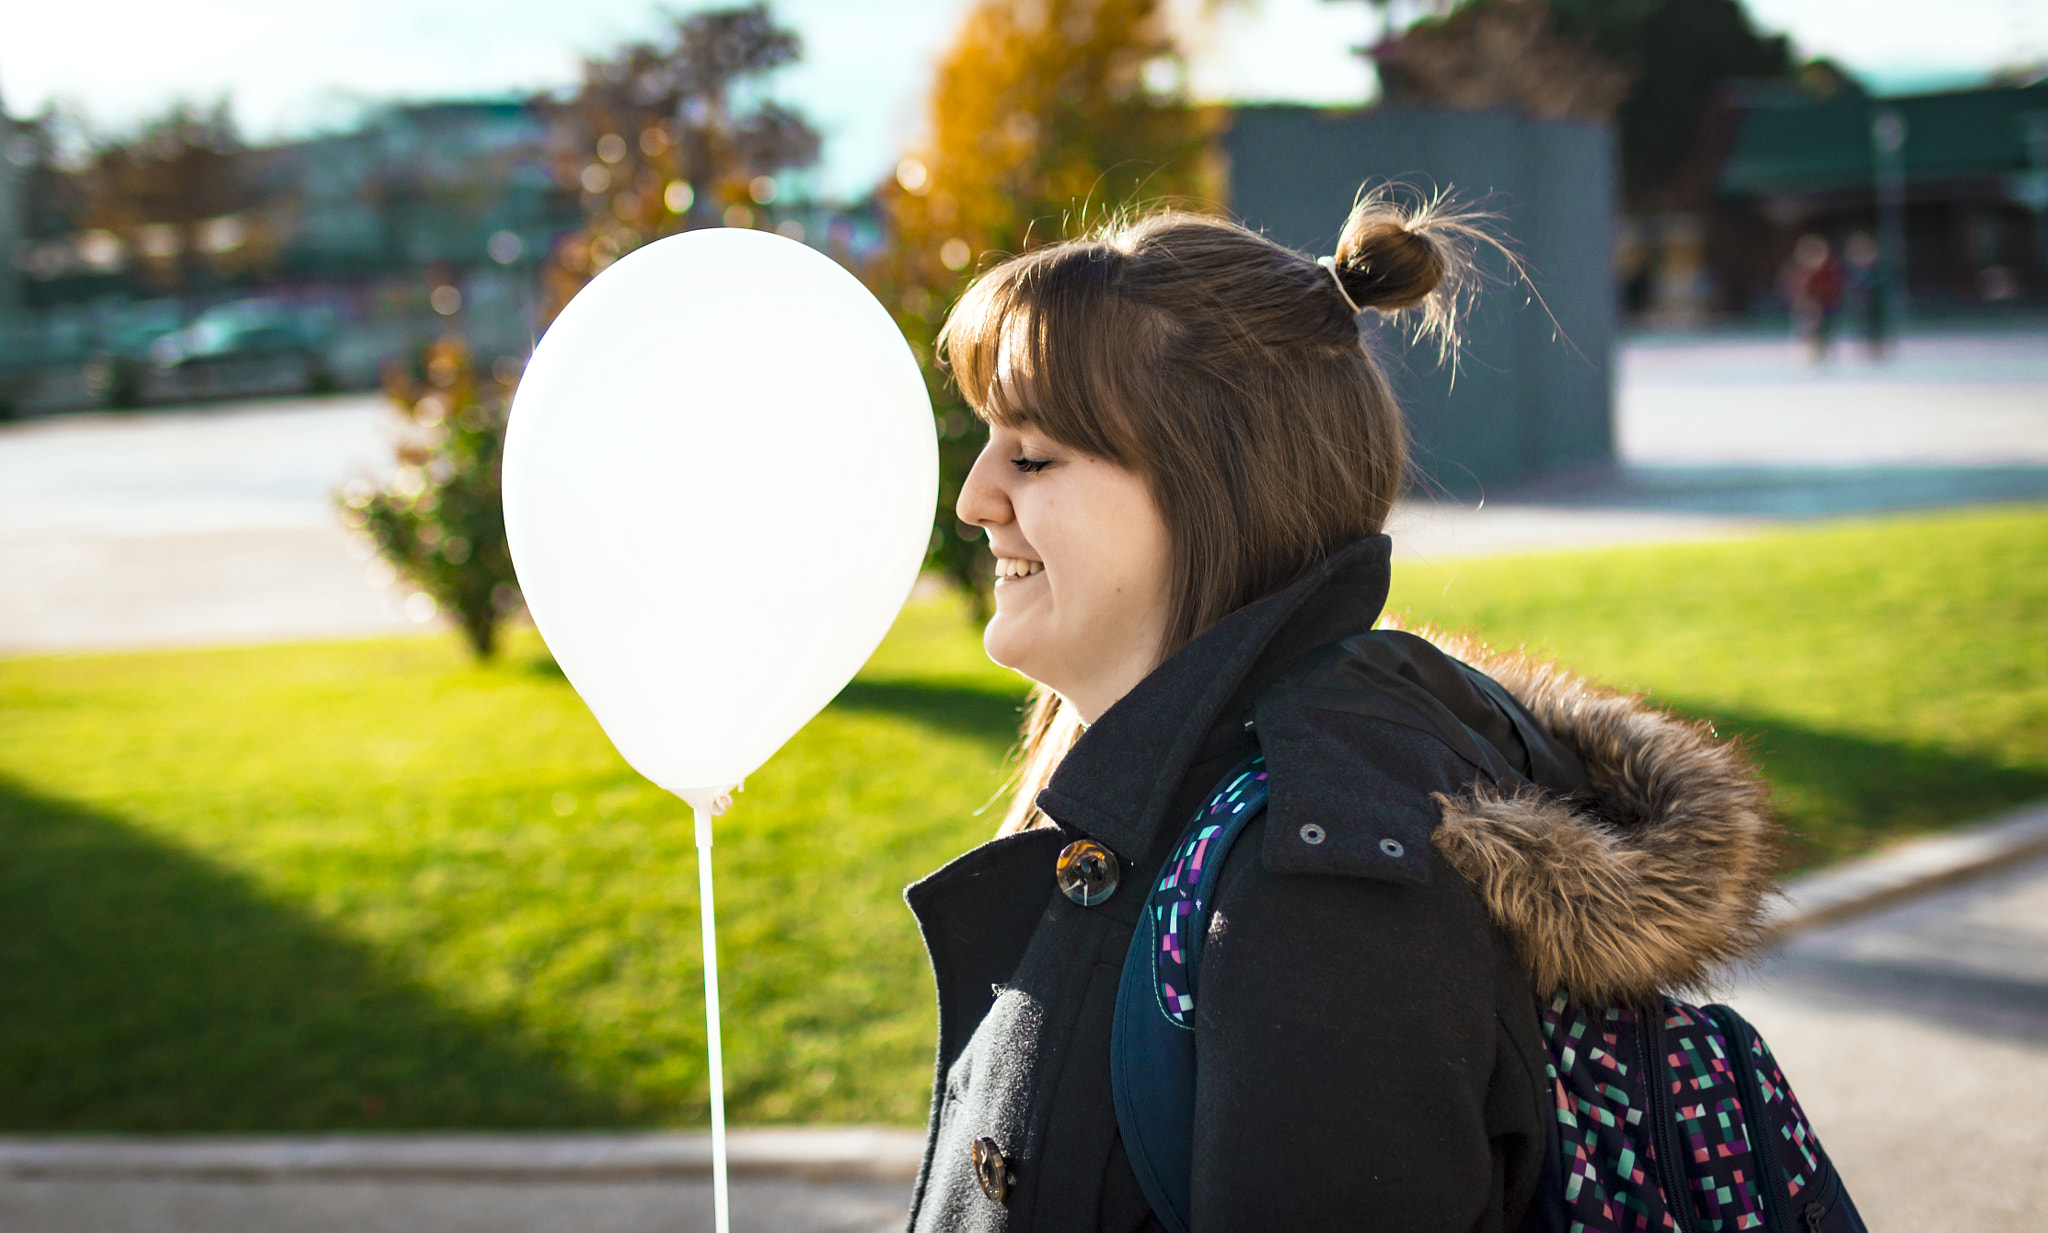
<point>1649,882</point>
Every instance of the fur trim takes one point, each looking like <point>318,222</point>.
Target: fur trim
<point>1649,887</point>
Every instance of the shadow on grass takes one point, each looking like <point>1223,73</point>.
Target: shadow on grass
<point>1841,795</point>
<point>145,989</point>
<point>960,710</point>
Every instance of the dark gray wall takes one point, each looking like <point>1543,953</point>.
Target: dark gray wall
<point>1530,395</point>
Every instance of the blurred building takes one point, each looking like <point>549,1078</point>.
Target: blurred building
<point>14,160</point>
<point>20,152</point>
<point>1972,169</point>
<point>1532,391</point>
<point>1956,180</point>
<point>359,245</point>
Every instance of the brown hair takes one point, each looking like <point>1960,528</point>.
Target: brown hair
<point>1227,371</point>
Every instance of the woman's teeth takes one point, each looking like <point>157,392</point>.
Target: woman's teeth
<point>1012,567</point>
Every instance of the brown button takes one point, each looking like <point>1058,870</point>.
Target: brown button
<point>1087,872</point>
<point>991,1169</point>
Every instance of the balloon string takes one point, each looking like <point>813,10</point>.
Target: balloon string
<point>719,1206</point>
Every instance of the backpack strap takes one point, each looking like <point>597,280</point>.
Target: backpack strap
<point>1152,1043</point>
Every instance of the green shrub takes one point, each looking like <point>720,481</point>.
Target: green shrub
<point>440,519</point>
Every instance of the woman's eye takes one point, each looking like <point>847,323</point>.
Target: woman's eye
<point>1030,466</point>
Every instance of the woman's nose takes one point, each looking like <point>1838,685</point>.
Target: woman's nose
<point>982,501</point>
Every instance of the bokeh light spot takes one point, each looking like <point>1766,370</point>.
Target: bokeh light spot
<point>914,176</point>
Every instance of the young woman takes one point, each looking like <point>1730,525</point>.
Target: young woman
<point>1190,461</point>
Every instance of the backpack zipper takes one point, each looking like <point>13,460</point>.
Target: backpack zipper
<point>1772,1191</point>
<point>1664,1122</point>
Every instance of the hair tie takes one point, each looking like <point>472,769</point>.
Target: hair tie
<point>1330,264</point>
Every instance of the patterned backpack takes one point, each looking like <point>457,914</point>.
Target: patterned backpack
<point>1658,1116</point>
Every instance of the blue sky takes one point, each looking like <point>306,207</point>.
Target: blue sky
<point>290,66</point>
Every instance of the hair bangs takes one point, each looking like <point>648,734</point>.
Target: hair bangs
<point>1036,344</point>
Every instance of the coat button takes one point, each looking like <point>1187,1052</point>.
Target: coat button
<point>991,1169</point>
<point>1087,872</point>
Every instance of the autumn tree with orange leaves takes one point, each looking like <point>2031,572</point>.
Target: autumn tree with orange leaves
<point>1046,118</point>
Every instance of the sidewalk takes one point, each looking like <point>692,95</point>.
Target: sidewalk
<point>785,1180</point>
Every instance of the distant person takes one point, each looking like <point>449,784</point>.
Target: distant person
<point>1297,922</point>
<point>1869,292</point>
<point>1815,288</point>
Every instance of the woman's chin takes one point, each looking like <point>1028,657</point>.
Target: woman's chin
<point>1007,644</point>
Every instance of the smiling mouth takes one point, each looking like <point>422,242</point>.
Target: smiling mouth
<point>1016,567</point>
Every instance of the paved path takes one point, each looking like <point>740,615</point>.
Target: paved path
<point>1726,437</point>
<point>215,525</point>
<point>1917,1038</point>
<point>789,1180</point>
<point>185,527</point>
<point>300,1206</point>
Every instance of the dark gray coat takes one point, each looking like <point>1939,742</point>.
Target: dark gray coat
<point>1369,1051</point>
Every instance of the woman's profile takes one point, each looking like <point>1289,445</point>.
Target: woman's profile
<point>1191,461</point>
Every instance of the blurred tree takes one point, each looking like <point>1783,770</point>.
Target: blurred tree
<point>439,520</point>
<point>655,144</point>
<point>176,196</point>
<point>654,141</point>
<point>1682,53</point>
<point>1500,53</point>
<point>1046,116</point>
<point>1655,66</point>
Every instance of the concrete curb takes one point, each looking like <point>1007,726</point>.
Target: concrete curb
<point>1911,869</point>
<point>813,1154</point>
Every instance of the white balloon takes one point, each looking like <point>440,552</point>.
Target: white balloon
<point>720,473</point>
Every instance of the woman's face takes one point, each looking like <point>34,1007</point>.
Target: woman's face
<point>1083,567</point>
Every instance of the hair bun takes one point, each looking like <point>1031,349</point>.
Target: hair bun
<point>1416,253</point>
<point>1384,264</point>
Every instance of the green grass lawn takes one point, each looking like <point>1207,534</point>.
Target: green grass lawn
<point>1891,675</point>
<point>370,884</point>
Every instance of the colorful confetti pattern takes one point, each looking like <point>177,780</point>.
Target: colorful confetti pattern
<point>1189,879</point>
<point>1602,1106</point>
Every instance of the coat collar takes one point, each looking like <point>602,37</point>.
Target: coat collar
<point>1120,777</point>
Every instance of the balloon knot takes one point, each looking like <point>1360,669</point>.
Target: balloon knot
<point>713,800</point>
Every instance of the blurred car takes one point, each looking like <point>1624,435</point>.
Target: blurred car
<point>116,372</point>
<point>246,347</point>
